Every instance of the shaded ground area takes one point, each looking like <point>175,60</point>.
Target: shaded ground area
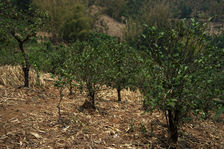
<point>28,119</point>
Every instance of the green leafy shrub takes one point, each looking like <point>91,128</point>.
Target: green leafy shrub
<point>174,51</point>
<point>88,65</point>
<point>120,61</point>
<point>122,65</point>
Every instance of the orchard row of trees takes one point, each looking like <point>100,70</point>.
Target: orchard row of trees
<point>177,67</point>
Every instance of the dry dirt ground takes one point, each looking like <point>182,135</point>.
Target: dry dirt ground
<point>28,119</point>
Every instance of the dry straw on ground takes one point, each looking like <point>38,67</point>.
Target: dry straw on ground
<point>13,76</point>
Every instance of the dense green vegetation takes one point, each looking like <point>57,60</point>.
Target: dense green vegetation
<point>179,8</point>
<point>175,52</point>
<point>177,66</point>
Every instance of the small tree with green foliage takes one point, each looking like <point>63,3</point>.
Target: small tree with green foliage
<point>88,62</point>
<point>62,75</point>
<point>122,65</point>
<point>118,61</point>
<point>174,51</point>
<point>61,82</point>
<point>21,27</point>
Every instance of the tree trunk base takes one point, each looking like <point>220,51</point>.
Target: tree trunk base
<point>119,93</point>
<point>87,105</point>
<point>26,70</point>
<point>172,128</point>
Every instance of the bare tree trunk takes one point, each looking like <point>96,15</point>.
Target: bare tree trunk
<point>92,99</point>
<point>26,69</point>
<point>119,87</point>
<point>59,104</point>
<point>173,127</point>
<point>89,104</point>
<point>119,93</point>
<point>25,64</point>
<point>91,94</point>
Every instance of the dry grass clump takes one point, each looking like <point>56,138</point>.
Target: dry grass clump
<point>13,76</point>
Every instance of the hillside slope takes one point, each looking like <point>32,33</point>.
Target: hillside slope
<point>28,119</point>
<point>106,24</point>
